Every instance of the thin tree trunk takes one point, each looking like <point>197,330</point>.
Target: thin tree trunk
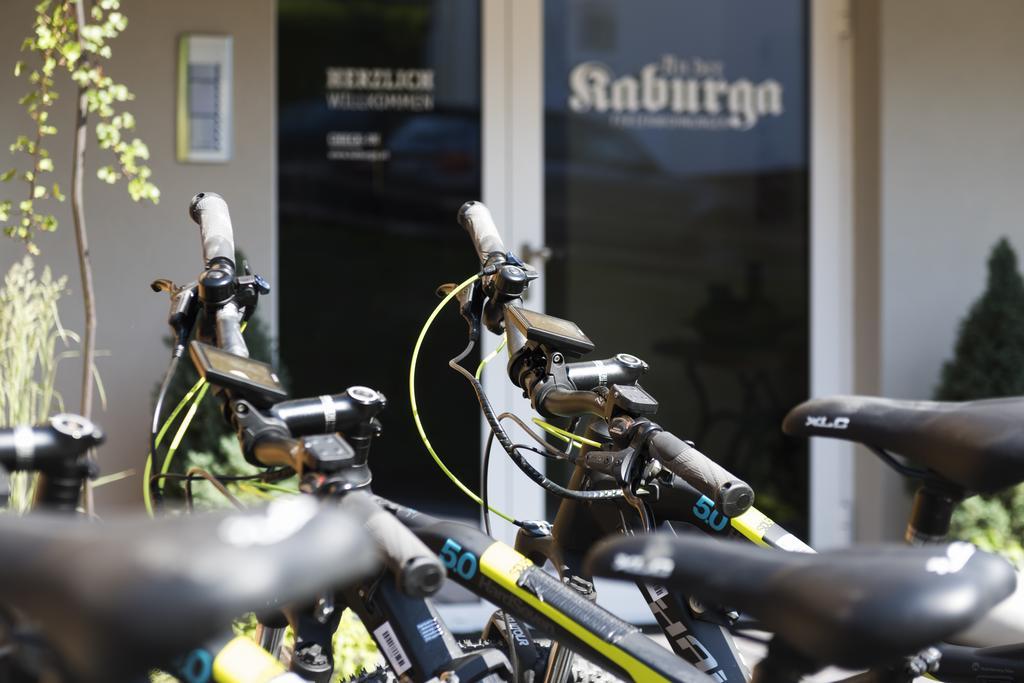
<point>82,240</point>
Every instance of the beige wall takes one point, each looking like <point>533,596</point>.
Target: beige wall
<point>133,244</point>
<point>952,171</point>
<point>939,177</point>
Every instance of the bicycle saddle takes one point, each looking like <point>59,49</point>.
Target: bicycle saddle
<point>134,593</point>
<point>978,445</point>
<point>855,608</point>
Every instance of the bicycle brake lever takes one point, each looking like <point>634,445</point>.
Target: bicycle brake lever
<point>184,308</point>
<point>162,285</point>
<point>471,304</point>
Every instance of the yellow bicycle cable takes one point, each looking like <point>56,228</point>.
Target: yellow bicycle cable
<point>182,428</point>
<point>148,471</point>
<point>565,435</point>
<point>491,356</point>
<point>201,386</point>
<point>415,409</point>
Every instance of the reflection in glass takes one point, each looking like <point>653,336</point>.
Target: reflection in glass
<point>676,206</point>
<point>379,145</point>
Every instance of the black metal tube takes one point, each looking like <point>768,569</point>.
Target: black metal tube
<point>621,369</point>
<point>931,515</point>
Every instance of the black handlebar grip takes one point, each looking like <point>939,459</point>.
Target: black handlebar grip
<point>732,496</point>
<point>210,212</point>
<point>477,220</point>
<point>417,569</point>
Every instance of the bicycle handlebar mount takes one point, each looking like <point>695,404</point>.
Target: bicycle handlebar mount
<point>302,434</point>
<point>609,389</point>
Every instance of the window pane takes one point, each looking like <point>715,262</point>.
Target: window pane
<point>379,124</point>
<point>676,206</point>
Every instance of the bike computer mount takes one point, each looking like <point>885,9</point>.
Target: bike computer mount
<point>246,378</point>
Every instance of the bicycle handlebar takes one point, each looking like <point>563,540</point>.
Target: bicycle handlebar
<point>732,496</point>
<point>478,222</point>
<point>416,567</point>
<point>210,212</point>
<point>217,284</point>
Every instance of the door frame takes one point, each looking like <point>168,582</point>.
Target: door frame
<point>512,143</point>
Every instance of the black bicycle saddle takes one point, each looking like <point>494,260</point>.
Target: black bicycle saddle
<point>978,445</point>
<point>126,595</point>
<point>854,608</point>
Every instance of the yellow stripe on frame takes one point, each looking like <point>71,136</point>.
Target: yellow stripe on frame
<point>753,524</point>
<point>504,565</point>
<point>243,661</point>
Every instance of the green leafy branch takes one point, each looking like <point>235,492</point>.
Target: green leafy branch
<point>60,44</point>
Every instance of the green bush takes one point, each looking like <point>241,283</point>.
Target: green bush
<point>988,362</point>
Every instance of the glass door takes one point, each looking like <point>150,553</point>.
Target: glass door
<point>379,145</point>
<point>676,211</point>
<point>654,151</point>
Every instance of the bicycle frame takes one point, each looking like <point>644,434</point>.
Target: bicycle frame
<point>702,637</point>
<point>498,573</point>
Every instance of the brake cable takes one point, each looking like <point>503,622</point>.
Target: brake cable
<point>158,437</point>
<point>196,395</point>
<point>521,462</point>
<point>491,356</point>
<point>186,422</point>
<point>565,435</point>
<point>415,408</point>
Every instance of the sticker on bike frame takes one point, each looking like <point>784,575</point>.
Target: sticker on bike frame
<point>392,649</point>
<point>462,563</point>
<point>657,591</point>
<point>196,667</point>
<point>685,642</point>
<point>762,530</point>
<point>429,630</point>
<point>705,511</point>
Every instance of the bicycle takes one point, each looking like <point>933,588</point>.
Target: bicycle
<point>880,608</point>
<point>116,599</point>
<point>954,450</point>
<point>327,440</point>
<point>629,473</point>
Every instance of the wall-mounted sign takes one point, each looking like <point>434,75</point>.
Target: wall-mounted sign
<point>204,99</point>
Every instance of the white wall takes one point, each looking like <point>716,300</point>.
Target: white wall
<point>133,244</point>
<point>940,171</point>
<point>952,171</point>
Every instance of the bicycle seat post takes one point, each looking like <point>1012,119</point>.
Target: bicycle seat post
<point>932,513</point>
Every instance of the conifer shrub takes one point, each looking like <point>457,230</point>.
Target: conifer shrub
<point>988,362</point>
